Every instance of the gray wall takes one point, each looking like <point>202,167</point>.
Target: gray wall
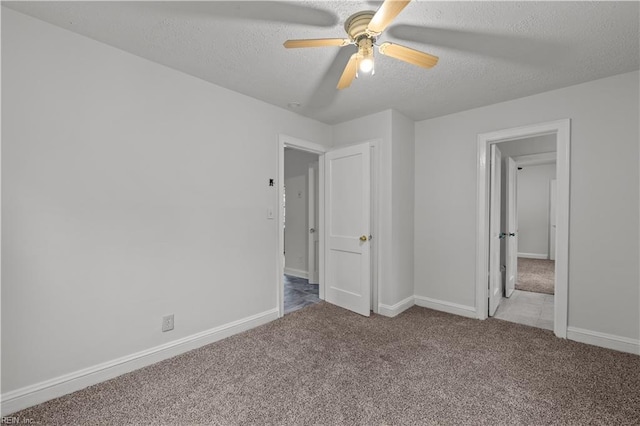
<point>603,260</point>
<point>403,178</point>
<point>533,209</point>
<point>129,191</point>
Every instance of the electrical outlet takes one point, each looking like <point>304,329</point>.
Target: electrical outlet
<point>167,323</point>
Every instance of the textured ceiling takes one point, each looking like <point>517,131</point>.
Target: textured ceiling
<point>489,51</point>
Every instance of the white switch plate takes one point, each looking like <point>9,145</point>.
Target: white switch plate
<point>167,323</point>
<point>270,213</point>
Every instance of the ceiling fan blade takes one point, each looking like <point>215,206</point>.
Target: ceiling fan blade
<point>349,72</point>
<point>316,42</point>
<point>409,55</point>
<point>385,14</point>
<point>326,92</point>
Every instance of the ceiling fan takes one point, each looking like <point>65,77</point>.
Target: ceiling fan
<point>363,29</point>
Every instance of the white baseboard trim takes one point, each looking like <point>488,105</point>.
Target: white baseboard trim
<point>393,310</point>
<point>534,255</point>
<point>44,391</point>
<point>296,273</point>
<point>604,340</point>
<point>441,305</point>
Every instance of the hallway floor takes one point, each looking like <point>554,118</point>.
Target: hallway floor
<point>528,308</point>
<point>298,293</point>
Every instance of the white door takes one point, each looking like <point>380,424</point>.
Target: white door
<point>495,275</point>
<point>347,228</point>
<point>553,194</point>
<point>512,227</point>
<point>313,240</point>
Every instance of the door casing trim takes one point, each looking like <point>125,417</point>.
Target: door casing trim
<point>562,130</point>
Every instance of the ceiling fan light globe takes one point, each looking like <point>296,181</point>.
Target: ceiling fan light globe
<point>366,65</point>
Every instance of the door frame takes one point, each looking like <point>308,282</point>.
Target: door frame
<point>302,145</point>
<point>562,130</point>
<point>511,211</point>
<point>496,285</point>
<point>376,226</point>
<point>553,201</point>
<point>313,169</point>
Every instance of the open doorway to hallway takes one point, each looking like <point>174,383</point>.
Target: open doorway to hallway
<point>491,288</point>
<point>301,229</point>
<point>527,230</point>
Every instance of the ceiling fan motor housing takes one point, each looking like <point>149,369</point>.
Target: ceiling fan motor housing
<point>363,29</point>
<point>356,25</point>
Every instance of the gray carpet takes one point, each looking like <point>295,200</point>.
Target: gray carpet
<point>325,365</point>
<point>537,275</point>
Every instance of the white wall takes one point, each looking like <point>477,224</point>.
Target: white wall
<point>296,169</point>
<point>129,191</point>
<point>603,258</point>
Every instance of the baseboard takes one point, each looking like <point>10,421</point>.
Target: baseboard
<point>440,305</point>
<point>534,255</point>
<point>393,310</point>
<point>44,391</point>
<point>296,273</point>
<point>604,340</point>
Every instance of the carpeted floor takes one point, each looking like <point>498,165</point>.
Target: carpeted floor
<point>325,365</point>
<point>537,275</point>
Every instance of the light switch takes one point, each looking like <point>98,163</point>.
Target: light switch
<point>270,214</point>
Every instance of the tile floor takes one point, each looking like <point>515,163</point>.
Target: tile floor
<point>298,293</point>
<point>528,308</point>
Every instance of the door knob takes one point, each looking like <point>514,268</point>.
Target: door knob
<point>512,234</point>
<point>363,238</point>
<point>502,235</point>
<point>312,230</point>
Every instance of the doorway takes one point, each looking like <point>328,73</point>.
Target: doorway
<point>316,152</point>
<point>346,226</point>
<point>527,214</point>
<point>300,222</point>
<point>490,232</point>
